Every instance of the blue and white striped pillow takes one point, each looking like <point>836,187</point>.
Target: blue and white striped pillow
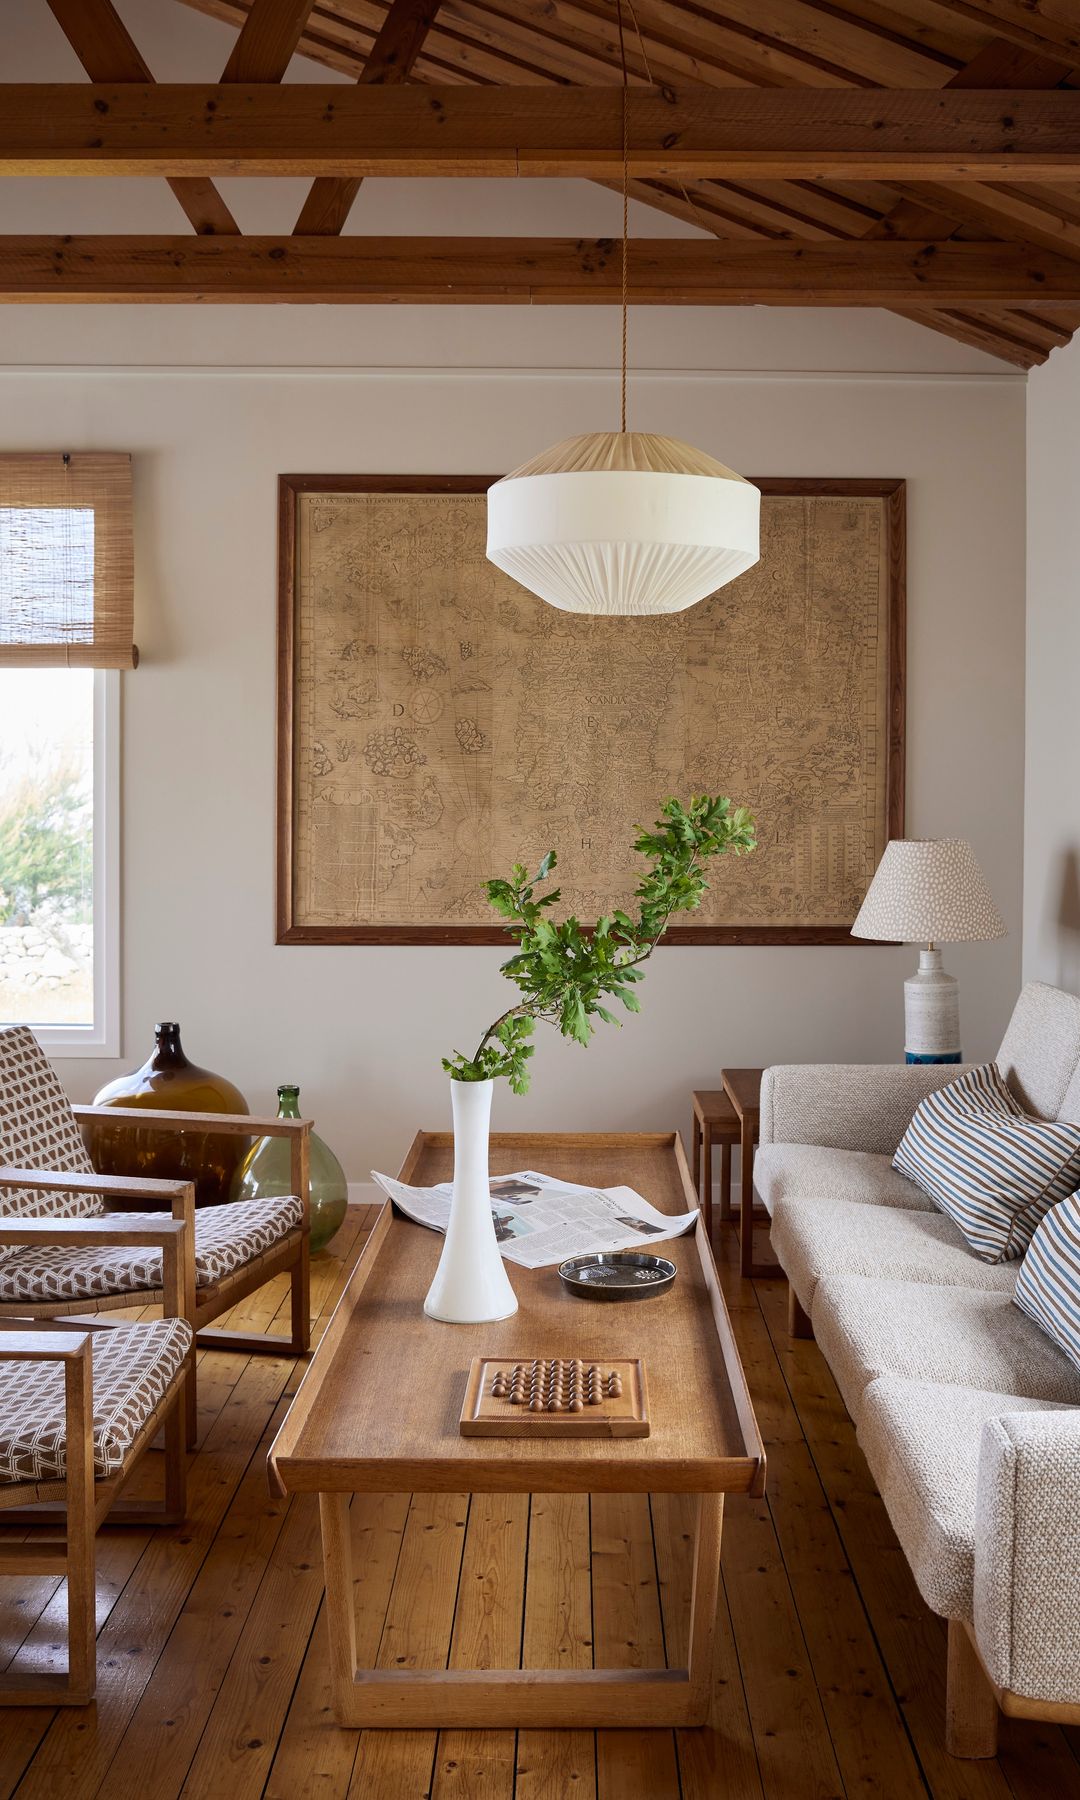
<point>1048,1285</point>
<point>992,1167</point>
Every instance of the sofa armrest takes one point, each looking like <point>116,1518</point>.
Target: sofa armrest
<point>846,1106</point>
<point>1027,1554</point>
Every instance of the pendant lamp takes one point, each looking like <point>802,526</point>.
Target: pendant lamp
<point>623,521</point>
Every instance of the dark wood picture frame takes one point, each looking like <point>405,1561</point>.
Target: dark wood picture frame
<point>892,490</point>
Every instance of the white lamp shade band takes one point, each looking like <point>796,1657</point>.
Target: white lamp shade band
<point>928,891</point>
<point>623,523</point>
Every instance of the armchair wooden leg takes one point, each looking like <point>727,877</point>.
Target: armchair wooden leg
<point>176,1431</point>
<point>971,1708</point>
<point>301,1299</point>
<point>81,1529</point>
<point>798,1319</point>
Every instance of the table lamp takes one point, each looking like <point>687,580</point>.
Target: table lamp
<point>929,891</point>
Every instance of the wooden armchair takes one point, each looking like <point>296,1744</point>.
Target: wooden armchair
<point>77,1409</point>
<point>62,1253</point>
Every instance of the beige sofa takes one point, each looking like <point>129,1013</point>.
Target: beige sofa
<point>968,1414</point>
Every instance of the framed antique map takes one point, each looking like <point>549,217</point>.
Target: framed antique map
<point>438,723</point>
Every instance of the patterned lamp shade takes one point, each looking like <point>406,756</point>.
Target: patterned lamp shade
<point>928,891</point>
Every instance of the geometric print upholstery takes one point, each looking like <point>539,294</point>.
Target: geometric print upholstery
<point>226,1237</point>
<point>133,1368</point>
<point>38,1131</point>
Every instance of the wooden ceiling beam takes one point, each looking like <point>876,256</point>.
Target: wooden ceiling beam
<point>560,271</point>
<point>1053,28</point>
<point>267,40</point>
<point>778,134</point>
<point>393,54</point>
<point>108,53</point>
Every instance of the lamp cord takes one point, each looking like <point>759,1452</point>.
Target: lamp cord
<point>625,209</point>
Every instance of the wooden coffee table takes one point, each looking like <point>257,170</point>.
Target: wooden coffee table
<point>379,1406</point>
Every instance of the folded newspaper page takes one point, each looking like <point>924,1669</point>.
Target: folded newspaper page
<point>540,1221</point>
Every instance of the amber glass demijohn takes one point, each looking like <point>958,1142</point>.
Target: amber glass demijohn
<point>168,1082</point>
<point>267,1172</point>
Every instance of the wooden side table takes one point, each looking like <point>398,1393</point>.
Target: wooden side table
<point>715,1122</point>
<point>743,1089</point>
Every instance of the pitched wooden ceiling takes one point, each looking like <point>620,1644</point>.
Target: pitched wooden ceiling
<point>994,262</point>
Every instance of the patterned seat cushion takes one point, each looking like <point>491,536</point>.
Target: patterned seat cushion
<point>226,1237</point>
<point>133,1368</point>
<point>38,1131</point>
<point>992,1167</point>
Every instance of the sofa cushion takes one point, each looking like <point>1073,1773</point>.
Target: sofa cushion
<point>1040,1052</point>
<point>992,1167</point>
<point>1048,1285</point>
<point>966,1336</point>
<point>809,1172</point>
<point>226,1237</point>
<point>921,1440</point>
<point>133,1368</point>
<point>815,1238</point>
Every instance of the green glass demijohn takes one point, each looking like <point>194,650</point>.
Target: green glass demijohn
<point>266,1172</point>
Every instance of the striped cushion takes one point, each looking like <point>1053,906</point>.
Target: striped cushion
<point>1048,1285</point>
<point>993,1168</point>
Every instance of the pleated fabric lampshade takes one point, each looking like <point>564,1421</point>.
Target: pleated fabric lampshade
<point>623,522</point>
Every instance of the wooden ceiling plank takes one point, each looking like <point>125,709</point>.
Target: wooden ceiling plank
<point>1052,26</point>
<point>968,329</point>
<point>675,44</point>
<point>267,41</point>
<point>674,271</point>
<point>777,134</point>
<point>393,54</point>
<point>108,52</point>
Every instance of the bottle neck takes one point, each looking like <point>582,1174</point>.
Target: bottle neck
<point>288,1102</point>
<point>168,1050</point>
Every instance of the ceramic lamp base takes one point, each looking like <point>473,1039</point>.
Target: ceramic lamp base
<point>931,1013</point>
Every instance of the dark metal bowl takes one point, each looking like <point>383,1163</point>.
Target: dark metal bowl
<point>617,1275</point>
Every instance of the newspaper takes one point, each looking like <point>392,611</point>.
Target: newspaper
<point>540,1221</point>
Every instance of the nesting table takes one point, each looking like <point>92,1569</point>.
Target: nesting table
<point>378,1411</point>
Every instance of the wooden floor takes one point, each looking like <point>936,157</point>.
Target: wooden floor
<point>212,1645</point>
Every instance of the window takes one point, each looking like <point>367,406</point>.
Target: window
<point>59,884</point>
<point>66,582</point>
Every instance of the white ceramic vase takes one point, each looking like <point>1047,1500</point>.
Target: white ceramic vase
<point>471,1285</point>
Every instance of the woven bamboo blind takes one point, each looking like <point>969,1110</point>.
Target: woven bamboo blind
<point>66,560</point>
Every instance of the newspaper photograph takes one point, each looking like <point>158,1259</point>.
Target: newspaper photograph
<point>540,1221</point>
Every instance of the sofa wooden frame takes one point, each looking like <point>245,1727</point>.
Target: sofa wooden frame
<point>83,1502</point>
<point>178,1297</point>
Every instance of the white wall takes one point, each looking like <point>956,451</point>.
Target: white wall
<point>1052,805</point>
<point>214,403</point>
<point>362,1029</point>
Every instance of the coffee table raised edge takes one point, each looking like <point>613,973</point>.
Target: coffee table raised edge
<point>501,1698</point>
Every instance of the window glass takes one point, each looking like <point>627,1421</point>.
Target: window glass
<point>46,846</point>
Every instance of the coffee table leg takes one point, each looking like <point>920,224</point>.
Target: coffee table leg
<point>707,1135</point>
<point>340,1603</point>
<point>704,1595</point>
<point>501,1699</point>
<point>695,1151</point>
<point>746,1203</point>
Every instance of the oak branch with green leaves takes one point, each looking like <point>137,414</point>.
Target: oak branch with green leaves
<point>565,973</point>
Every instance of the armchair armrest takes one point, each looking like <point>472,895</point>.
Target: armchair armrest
<point>1027,1553</point>
<point>68,1343</point>
<point>213,1124</point>
<point>175,1236</point>
<point>847,1106</point>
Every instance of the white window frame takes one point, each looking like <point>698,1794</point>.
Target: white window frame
<point>102,1038</point>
